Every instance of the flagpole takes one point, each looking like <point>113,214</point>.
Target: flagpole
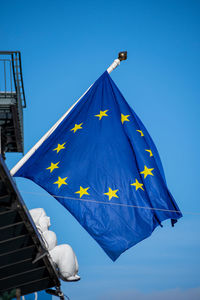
<point>121,56</point>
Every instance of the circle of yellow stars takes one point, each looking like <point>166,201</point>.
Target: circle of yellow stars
<point>110,193</point>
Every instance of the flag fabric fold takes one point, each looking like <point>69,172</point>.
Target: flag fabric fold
<point>102,165</point>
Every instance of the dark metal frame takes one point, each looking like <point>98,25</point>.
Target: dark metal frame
<point>17,74</point>
<point>12,102</point>
<point>12,202</point>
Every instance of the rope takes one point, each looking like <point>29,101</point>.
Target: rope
<point>114,203</point>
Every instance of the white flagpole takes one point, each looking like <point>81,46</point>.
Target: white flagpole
<point>122,56</point>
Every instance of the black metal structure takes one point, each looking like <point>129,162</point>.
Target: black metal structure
<point>12,102</point>
<point>24,261</point>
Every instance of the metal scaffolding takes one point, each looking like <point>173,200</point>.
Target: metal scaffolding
<point>25,263</point>
<point>12,102</point>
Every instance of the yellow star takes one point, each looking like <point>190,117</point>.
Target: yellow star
<point>53,166</point>
<point>102,114</point>
<point>59,147</point>
<point>76,127</point>
<point>140,131</point>
<point>150,152</point>
<point>124,118</point>
<point>137,185</point>
<point>111,193</point>
<point>60,181</point>
<point>82,191</point>
<point>146,171</point>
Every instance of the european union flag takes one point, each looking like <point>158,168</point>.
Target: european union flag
<point>102,165</point>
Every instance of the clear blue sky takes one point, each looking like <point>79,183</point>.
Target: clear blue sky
<point>66,46</point>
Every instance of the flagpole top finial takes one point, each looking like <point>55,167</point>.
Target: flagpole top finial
<point>122,55</point>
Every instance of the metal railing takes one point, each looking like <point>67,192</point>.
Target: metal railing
<point>11,78</point>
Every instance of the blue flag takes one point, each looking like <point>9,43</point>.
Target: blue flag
<point>102,165</point>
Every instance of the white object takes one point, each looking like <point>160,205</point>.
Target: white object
<point>38,144</point>
<point>63,256</point>
<point>36,213</point>
<point>50,239</point>
<point>114,65</point>
<point>40,219</point>
<point>42,222</point>
<point>65,259</point>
